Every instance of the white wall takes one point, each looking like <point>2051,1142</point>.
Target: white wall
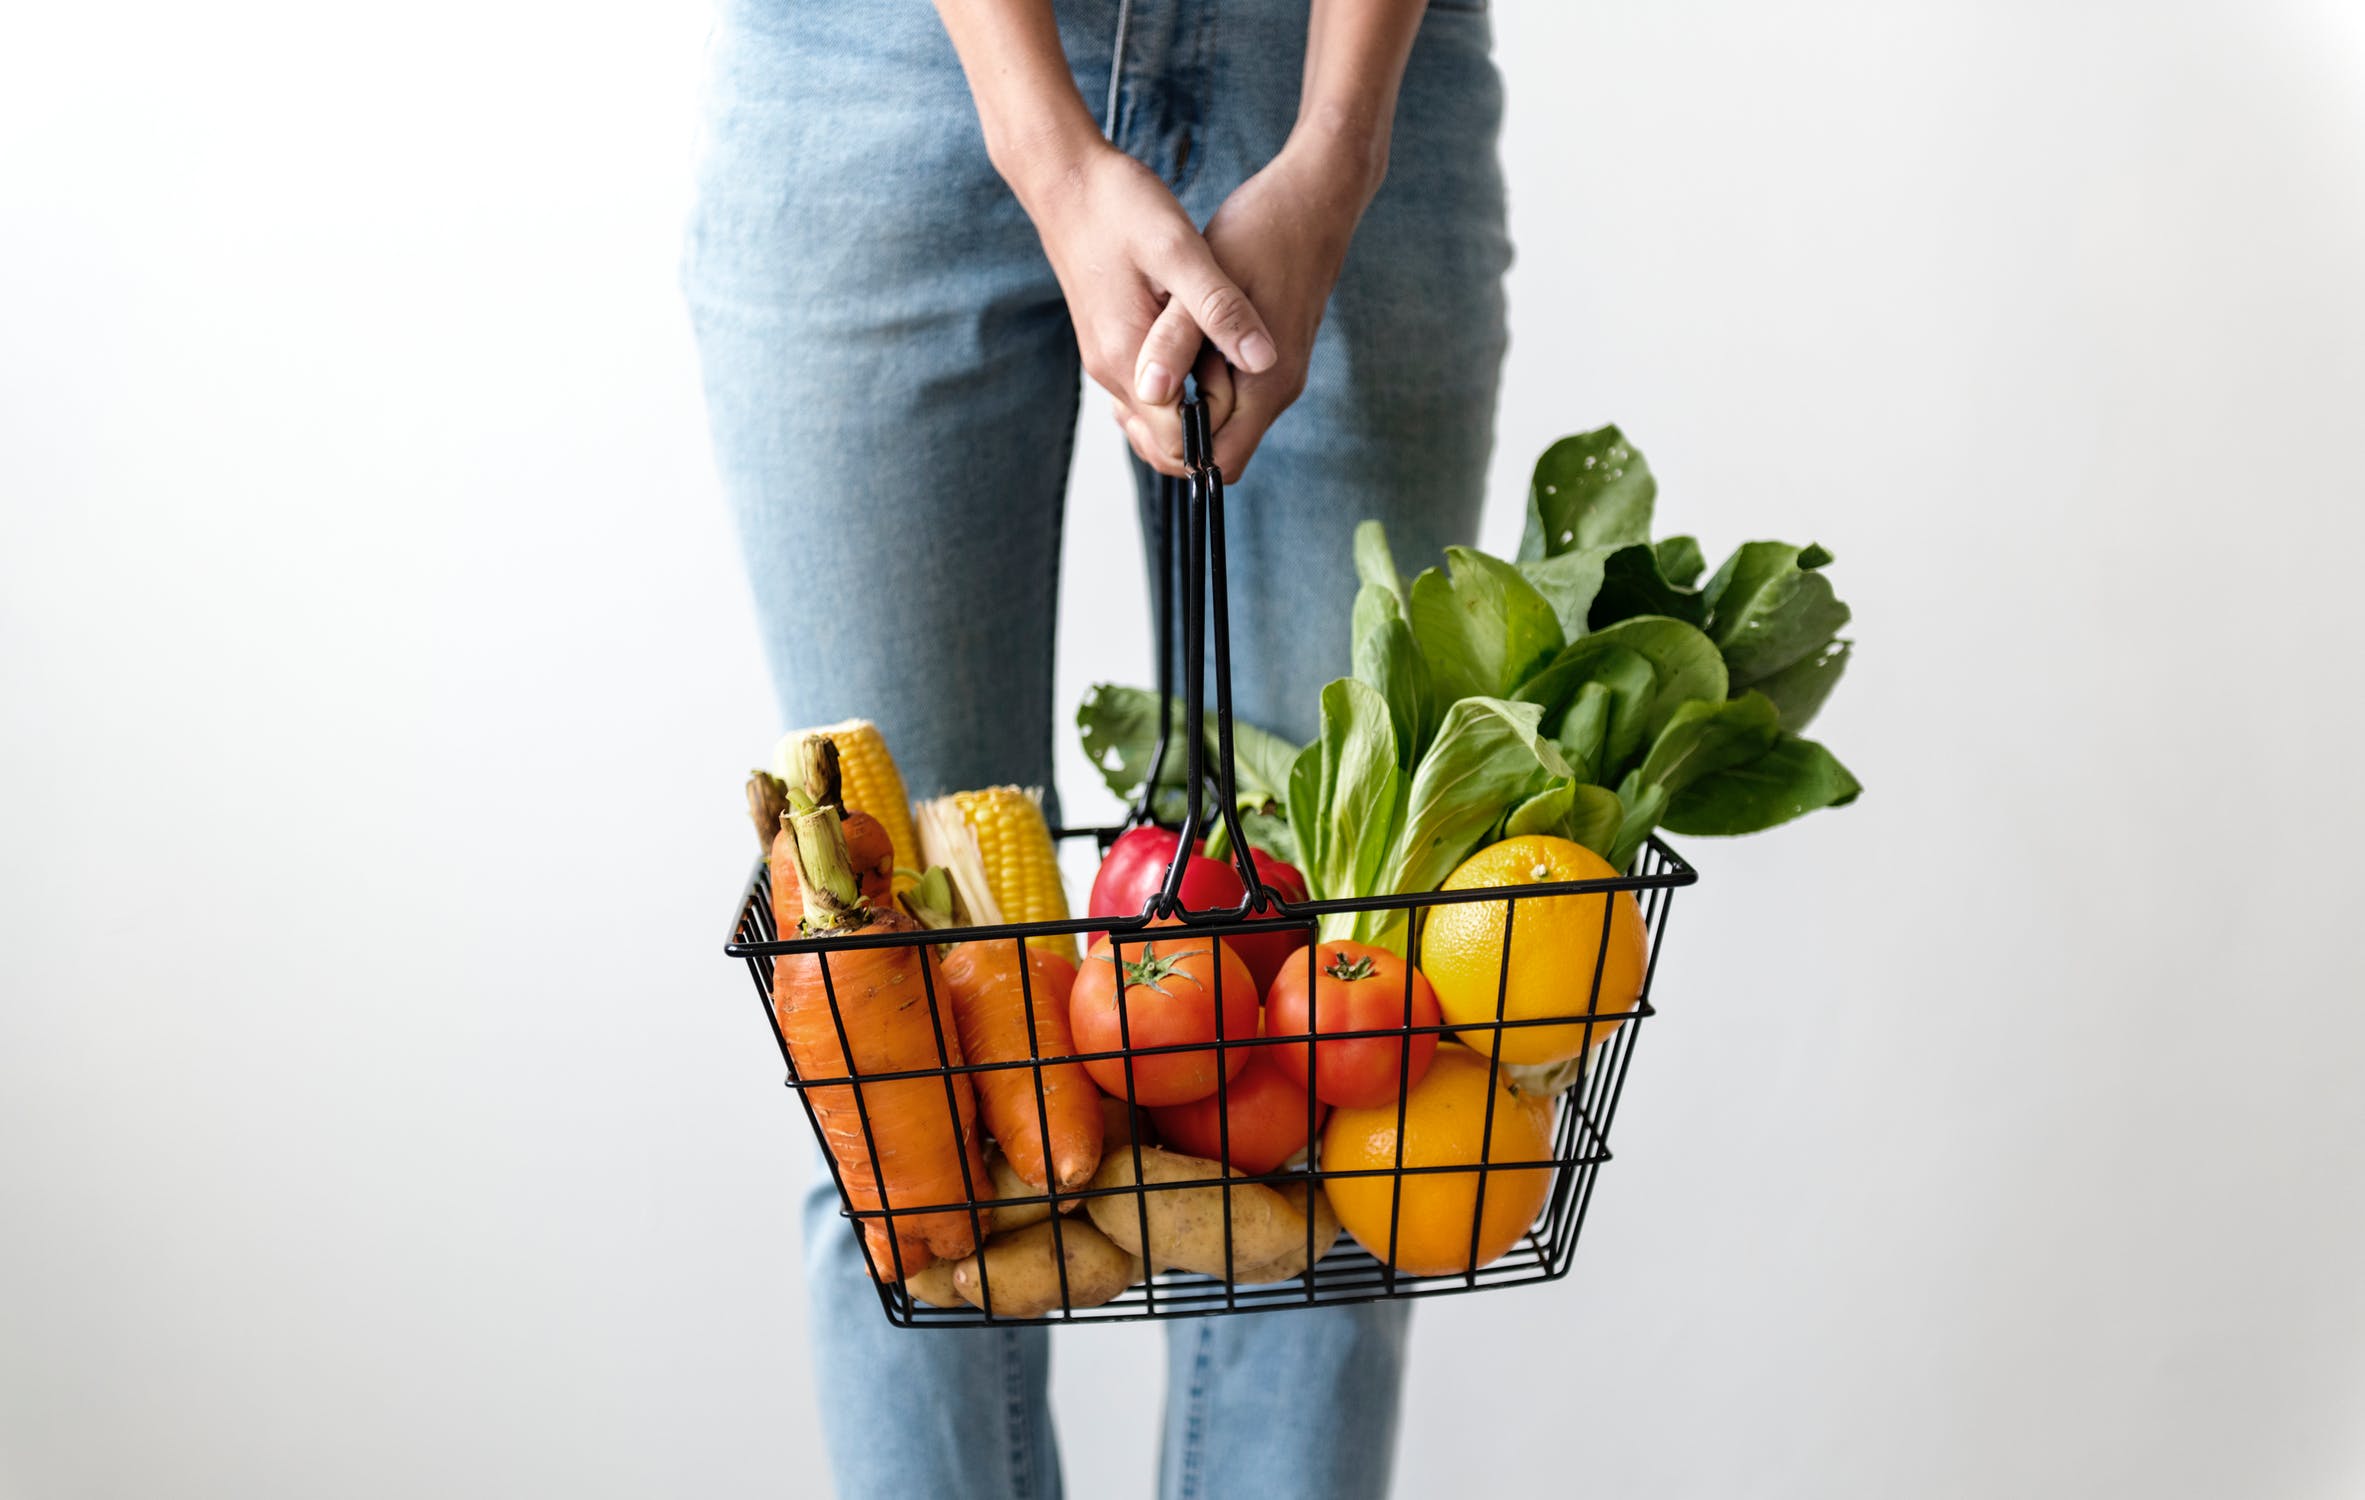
<point>377,1116</point>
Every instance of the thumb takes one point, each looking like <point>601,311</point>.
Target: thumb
<point>1170,348</point>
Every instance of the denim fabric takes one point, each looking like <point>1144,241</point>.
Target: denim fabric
<point>893,388</point>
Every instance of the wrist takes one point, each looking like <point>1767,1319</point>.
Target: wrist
<point>1040,156</point>
<point>1340,148</point>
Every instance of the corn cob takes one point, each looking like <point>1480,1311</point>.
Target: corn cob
<point>872,783</point>
<point>998,836</point>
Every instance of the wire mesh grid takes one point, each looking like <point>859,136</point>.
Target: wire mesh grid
<point>1585,1103</point>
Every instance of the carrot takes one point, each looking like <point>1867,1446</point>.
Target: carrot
<point>990,1006</point>
<point>990,996</point>
<point>928,1148</point>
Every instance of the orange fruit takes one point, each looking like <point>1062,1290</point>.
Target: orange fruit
<point>1556,944</point>
<point>1444,1126</point>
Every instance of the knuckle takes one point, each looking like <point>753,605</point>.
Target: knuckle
<point>1222,309</point>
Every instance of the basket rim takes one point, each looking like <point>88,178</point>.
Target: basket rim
<point>1288,916</point>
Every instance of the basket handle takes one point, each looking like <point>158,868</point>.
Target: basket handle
<point>1190,546</point>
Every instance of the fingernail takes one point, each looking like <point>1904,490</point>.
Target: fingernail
<point>1256,353</point>
<point>1157,384</point>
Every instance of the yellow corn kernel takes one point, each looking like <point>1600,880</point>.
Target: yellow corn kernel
<point>871,783</point>
<point>1021,866</point>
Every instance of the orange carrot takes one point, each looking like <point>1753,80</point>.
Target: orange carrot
<point>928,1148</point>
<point>990,1002</point>
<point>990,1005</point>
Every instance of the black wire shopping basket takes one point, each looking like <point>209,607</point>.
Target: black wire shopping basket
<point>1227,1213</point>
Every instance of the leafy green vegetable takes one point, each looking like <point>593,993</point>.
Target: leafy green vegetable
<point>1546,812</point>
<point>1770,606</point>
<point>1799,689</point>
<point>1568,583</point>
<point>1788,779</point>
<point>1307,808</point>
<point>1375,563</point>
<point>1119,726</point>
<point>1494,699</point>
<point>1388,660</point>
<point>1590,490</point>
<point>1595,820</point>
<point>1572,810</point>
<point>1363,787</point>
<point>1481,626</point>
<point>1488,756</point>
<point>1684,664</point>
<point>1602,713</point>
<point>1701,738</point>
<point>1632,584</point>
<point>1680,560</point>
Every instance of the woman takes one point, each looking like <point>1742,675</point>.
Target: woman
<point>895,282</point>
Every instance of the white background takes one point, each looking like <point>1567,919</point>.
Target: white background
<point>377,1113</point>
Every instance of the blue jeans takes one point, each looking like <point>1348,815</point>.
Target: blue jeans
<point>893,386</point>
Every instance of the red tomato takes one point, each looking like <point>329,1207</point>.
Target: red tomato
<point>1356,988</point>
<point>1169,1001</point>
<point>1265,952</point>
<point>1263,1109</point>
<point>1284,878</point>
<point>1136,866</point>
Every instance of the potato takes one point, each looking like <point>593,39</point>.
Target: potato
<point>1326,1234</point>
<point>1187,1224</point>
<point>1001,1218</point>
<point>934,1286</point>
<point>1023,1267</point>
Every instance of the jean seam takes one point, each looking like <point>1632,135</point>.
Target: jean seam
<point>1195,1415</point>
<point>1014,1408</point>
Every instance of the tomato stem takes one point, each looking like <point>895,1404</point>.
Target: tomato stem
<point>1348,968</point>
<point>1152,969</point>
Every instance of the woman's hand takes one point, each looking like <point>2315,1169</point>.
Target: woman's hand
<point>1283,235</point>
<point>1128,257</point>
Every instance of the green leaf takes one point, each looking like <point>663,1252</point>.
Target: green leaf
<point>1769,606</point>
<point>1590,490</point>
<point>1584,732</point>
<point>1583,814</point>
<point>1363,786</point>
<point>1481,626</point>
<point>1799,689</point>
<point>1374,563</point>
<point>1119,727</point>
<point>1271,833</point>
<point>1487,756</point>
<point>1680,560</point>
<point>1701,739</point>
<point>1594,820</point>
<point>1306,815</point>
<point>1632,584</point>
<point>1604,725</point>
<point>1546,812</point>
<point>1568,583</point>
<point>1790,778</point>
<point>1260,764</point>
<point>1705,737</point>
<point>1682,665</point>
<point>1389,660</point>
